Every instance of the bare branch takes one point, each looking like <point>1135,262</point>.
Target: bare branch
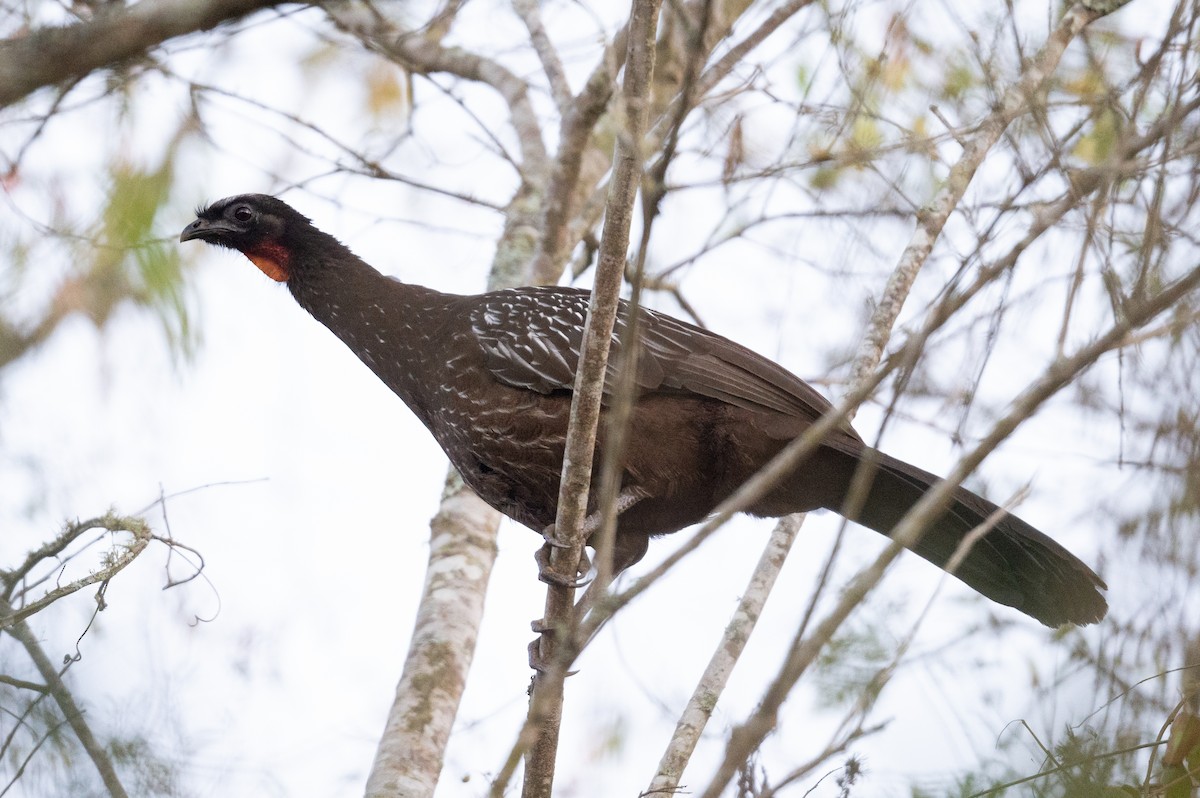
<point>51,55</point>
<point>716,675</point>
<point>1016,101</point>
<point>66,701</point>
<point>575,131</point>
<point>737,54</point>
<point>896,292</point>
<point>531,14</point>
<point>21,684</point>
<point>1085,183</point>
<point>19,771</point>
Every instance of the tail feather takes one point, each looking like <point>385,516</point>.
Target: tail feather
<point>1012,564</point>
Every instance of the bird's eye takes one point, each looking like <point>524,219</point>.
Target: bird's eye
<point>243,213</point>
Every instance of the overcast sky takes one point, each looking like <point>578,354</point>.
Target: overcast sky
<point>307,486</point>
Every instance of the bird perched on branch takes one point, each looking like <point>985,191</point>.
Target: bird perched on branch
<point>491,376</point>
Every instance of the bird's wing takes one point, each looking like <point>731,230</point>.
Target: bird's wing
<point>531,338</point>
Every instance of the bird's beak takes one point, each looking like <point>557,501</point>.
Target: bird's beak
<point>205,230</point>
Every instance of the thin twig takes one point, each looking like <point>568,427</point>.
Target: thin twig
<point>869,355</point>
<point>1017,100</point>
<point>531,14</point>
<point>736,55</point>
<point>900,284</point>
<point>19,771</point>
<point>425,56</point>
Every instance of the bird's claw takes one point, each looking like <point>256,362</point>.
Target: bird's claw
<point>536,661</point>
<point>547,574</point>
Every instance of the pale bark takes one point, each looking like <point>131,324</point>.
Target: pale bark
<point>462,550</point>
<point>716,675</point>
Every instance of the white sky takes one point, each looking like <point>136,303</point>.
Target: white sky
<point>315,558</point>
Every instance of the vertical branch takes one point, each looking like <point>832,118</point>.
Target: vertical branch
<point>700,706</point>
<point>545,710</point>
<point>124,32</point>
<point>575,132</point>
<point>462,551</point>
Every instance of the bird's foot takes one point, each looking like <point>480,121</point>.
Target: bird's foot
<point>546,571</point>
<point>538,662</point>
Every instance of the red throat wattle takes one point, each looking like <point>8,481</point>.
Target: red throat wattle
<point>272,260</point>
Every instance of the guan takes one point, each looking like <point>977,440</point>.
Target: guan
<point>491,376</point>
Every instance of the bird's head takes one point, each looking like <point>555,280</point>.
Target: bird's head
<point>259,226</point>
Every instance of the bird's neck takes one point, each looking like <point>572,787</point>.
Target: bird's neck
<point>385,322</point>
<point>330,281</point>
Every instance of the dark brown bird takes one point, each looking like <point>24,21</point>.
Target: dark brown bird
<point>491,376</point>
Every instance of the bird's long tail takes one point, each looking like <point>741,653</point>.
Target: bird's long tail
<point>1013,563</point>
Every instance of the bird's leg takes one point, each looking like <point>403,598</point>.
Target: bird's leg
<point>626,499</point>
<point>594,594</point>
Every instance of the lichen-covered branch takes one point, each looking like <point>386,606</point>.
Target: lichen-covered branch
<point>703,701</point>
<point>114,561</point>
<point>462,551</point>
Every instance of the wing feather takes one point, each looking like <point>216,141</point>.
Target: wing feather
<point>531,338</point>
